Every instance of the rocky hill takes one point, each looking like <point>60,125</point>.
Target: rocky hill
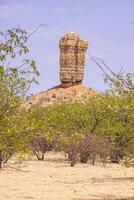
<point>72,61</point>
<point>59,94</point>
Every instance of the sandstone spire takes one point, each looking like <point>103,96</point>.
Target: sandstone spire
<point>72,59</point>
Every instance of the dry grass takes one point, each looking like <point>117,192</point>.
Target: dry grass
<point>54,179</point>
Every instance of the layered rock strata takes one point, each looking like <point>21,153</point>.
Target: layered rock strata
<point>72,59</point>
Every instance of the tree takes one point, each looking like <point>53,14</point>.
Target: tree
<point>15,80</point>
<point>121,91</point>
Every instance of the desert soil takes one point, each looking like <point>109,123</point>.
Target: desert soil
<point>54,179</point>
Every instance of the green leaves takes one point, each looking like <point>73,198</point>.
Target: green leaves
<point>34,67</point>
<point>14,84</point>
<point>1,70</point>
<point>12,43</point>
<point>121,83</point>
<point>12,47</point>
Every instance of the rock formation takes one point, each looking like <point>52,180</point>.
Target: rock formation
<point>72,59</point>
<point>58,94</point>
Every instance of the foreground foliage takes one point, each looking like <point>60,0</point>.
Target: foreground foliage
<point>106,117</point>
<point>15,80</point>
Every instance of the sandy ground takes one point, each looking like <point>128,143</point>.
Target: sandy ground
<point>54,179</point>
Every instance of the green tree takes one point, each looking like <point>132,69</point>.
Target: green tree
<point>119,111</point>
<point>15,80</point>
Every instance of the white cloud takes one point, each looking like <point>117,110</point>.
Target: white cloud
<point>71,9</point>
<point>12,10</point>
<point>60,9</point>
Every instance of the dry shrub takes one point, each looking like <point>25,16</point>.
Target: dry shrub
<point>87,148</point>
<point>39,146</point>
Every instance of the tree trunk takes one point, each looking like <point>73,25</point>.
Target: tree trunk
<point>0,159</point>
<point>83,158</point>
<point>115,156</point>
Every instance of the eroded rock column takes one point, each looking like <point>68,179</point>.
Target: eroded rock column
<point>72,59</point>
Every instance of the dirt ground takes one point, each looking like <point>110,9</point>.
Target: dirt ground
<point>54,179</point>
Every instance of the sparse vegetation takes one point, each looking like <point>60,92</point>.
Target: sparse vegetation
<point>101,125</point>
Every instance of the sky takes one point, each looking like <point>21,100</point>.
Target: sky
<point>108,25</point>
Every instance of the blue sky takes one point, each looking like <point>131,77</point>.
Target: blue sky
<point>108,25</point>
